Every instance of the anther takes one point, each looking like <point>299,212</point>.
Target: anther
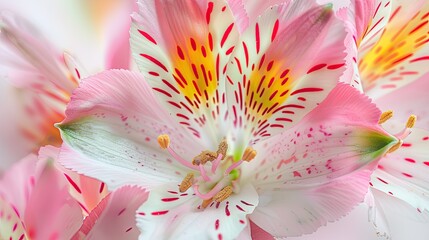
<point>395,147</point>
<point>164,141</point>
<point>223,194</point>
<point>223,148</point>
<point>385,116</point>
<point>206,202</point>
<point>186,183</point>
<point>203,157</point>
<point>411,121</point>
<point>249,154</point>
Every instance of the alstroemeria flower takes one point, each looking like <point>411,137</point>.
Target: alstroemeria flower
<point>35,204</point>
<point>313,173</point>
<point>43,77</point>
<point>390,65</point>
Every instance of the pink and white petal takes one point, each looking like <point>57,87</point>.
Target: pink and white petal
<point>404,174</point>
<point>18,182</point>
<point>11,226</point>
<point>114,120</point>
<point>58,218</point>
<point>365,21</point>
<point>272,75</point>
<point>370,18</point>
<point>296,211</point>
<point>182,48</point>
<point>402,53</point>
<point>169,214</point>
<point>88,192</point>
<point>114,217</point>
<point>337,138</point>
<point>413,100</point>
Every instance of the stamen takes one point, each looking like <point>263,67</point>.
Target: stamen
<point>385,116</point>
<point>217,162</point>
<point>407,130</point>
<point>223,194</point>
<point>411,121</point>
<point>186,183</point>
<point>203,173</point>
<point>223,148</point>
<point>395,147</point>
<point>203,157</point>
<point>164,141</point>
<point>249,154</point>
<point>206,202</point>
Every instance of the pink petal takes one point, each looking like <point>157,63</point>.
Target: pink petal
<point>117,112</point>
<point>272,76</point>
<point>402,53</point>
<point>169,214</point>
<point>182,48</point>
<point>365,21</point>
<point>114,217</point>
<point>57,218</point>
<point>298,211</point>
<point>18,182</point>
<point>88,192</point>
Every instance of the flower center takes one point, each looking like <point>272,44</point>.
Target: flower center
<point>215,175</point>
<point>402,134</point>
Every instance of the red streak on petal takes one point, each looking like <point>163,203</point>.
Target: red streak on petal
<point>159,213</point>
<point>246,203</point>
<point>101,187</point>
<point>75,186</point>
<point>316,67</point>
<point>209,11</point>
<point>381,180</point>
<point>303,90</point>
<point>407,175</point>
<point>226,34</point>
<point>275,29</point>
<point>147,36</point>
<point>217,224</point>
<point>239,208</point>
<point>154,60</point>
<point>227,212</point>
<point>169,199</point>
